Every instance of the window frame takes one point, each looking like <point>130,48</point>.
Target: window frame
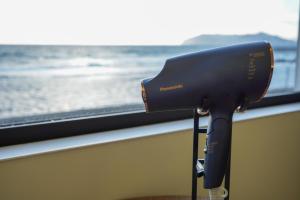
<point>33,132</point>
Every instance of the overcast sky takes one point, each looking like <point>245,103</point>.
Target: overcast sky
<point>136,22</point>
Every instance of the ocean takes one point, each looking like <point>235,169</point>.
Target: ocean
<point>37,79</point>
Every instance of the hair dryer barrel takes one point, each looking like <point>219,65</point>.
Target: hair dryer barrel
<point>225,78</point>
<point>242,71</point>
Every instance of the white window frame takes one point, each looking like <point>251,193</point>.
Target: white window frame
<point>297,74</point>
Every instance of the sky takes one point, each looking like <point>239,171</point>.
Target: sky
<point>141,22</point>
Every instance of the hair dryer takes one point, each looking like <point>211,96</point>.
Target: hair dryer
<point>219,80</point>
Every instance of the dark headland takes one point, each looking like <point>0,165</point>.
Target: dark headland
<point>223,40</point>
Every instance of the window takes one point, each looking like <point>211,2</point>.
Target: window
<point>66,59</point>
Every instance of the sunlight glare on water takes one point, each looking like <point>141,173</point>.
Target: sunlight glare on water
<point>49,79</point>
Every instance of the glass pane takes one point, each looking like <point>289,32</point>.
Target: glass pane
<point>88,57</point>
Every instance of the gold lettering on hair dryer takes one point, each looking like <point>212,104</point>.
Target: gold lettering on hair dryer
<point>252,64</point>
<point>257,54</point>
<point>173,87</point>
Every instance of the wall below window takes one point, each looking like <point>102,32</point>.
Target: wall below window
<point>265,165</point>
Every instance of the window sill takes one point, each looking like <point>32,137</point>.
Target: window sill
<point>35,148</point>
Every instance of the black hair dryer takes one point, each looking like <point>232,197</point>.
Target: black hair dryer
<point>218,80</point>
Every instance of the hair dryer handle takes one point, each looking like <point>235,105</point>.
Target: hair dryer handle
<point>218,144</point>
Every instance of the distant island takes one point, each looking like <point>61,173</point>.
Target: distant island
<point>222,40</point>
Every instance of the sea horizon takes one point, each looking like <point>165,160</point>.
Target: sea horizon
<point>47,79</point>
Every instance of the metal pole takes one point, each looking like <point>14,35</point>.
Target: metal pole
<point>227,173</point>
<point>195,154</point>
